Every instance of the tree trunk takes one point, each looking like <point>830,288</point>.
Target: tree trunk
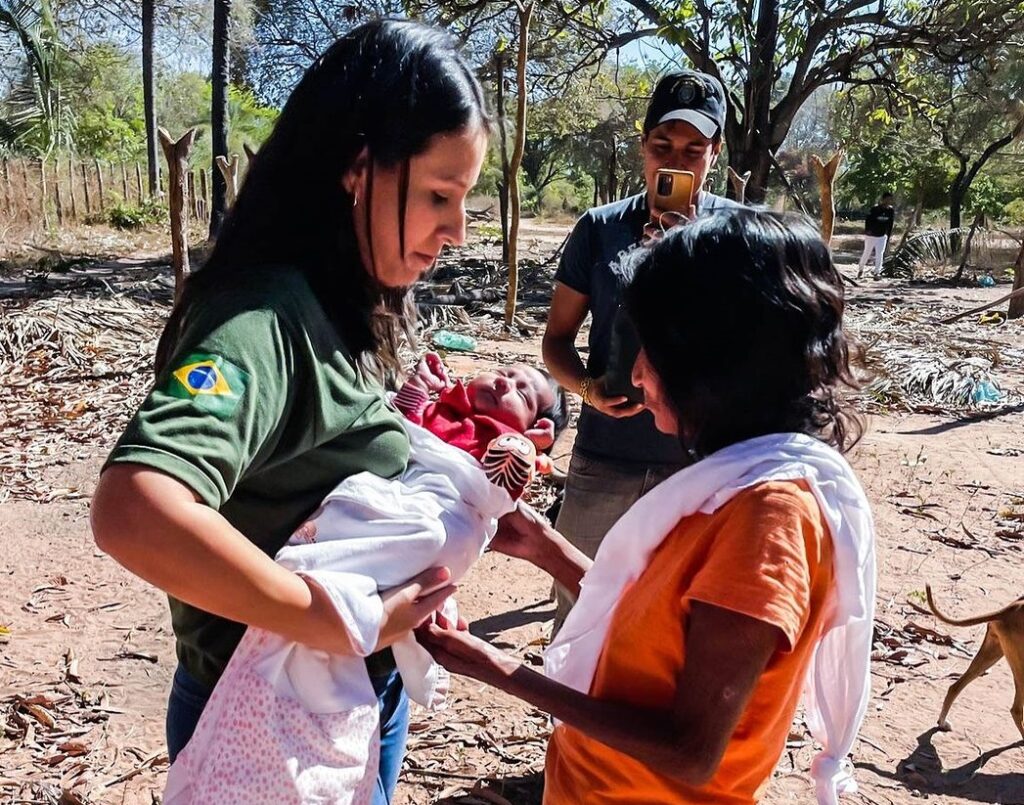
<point>1017,302</point>
<point>757,117</point>
<point>525,13</point>
<point>978,218</point>
<point>149,98</point>
<point>219,112</point>
<point>613,175</point>
<point>956,204</point>
<point>499,63</point>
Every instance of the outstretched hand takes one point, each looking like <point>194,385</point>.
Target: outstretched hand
<point>462,653</point>
<point>521,533</point>
<point>413,603</point>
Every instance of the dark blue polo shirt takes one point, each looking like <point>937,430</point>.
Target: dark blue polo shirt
<point>590,265</point>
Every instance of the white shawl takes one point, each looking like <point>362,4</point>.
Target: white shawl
<point>838,682</point>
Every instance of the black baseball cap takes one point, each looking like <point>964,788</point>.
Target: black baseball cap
<point>693,97</point>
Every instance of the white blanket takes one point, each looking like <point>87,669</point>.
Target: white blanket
<point>289,724</point>
<point>838,683</point>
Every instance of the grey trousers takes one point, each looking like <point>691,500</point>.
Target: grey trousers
<point>597,493</point>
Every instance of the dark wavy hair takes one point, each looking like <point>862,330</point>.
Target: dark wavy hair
<point>558,413</point>
<point>741,315</point>
<point>389,86</point>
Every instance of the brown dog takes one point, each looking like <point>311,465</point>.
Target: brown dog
<point>1004,636</point>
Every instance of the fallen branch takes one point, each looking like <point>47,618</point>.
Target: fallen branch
<point>981,308</point>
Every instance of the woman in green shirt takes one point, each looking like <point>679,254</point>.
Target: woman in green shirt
<point>267,390</point>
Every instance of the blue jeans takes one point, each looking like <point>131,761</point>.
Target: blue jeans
<point>188,698</point>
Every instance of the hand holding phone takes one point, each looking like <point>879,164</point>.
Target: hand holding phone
<point>673,190</point>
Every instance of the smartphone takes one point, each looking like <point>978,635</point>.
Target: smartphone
<point>622,352</point>
<point>673,190</point>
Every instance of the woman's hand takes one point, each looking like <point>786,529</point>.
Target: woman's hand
<point>405,608</point>
<point>524,533</point>
<point>413,604</point>
<point>521,533</point>
<point>613,405</point>
<point>462,653</point>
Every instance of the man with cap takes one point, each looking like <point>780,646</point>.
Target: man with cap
<point>619,455</point>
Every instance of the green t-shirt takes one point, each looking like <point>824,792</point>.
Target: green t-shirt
<point>261,412</point>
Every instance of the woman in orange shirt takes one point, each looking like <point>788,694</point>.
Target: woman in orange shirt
<point>676,681</point>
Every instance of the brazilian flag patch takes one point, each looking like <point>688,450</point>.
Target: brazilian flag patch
<point>211,382</point>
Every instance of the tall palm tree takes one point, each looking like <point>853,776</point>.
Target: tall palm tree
<point>36,116</point>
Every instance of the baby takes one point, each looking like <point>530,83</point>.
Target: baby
<point>474,416</point>
<point>287,723</point>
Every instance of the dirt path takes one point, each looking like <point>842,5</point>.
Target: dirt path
<point>90,651</point>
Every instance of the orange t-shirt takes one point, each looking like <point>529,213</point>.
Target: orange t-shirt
<point>767,554</point>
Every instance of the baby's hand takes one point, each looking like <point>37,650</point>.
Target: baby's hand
<point>432,373</point>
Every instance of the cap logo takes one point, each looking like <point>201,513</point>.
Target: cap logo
<point>689,91</point>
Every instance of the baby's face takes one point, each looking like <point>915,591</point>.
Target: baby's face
<point>513,395</point>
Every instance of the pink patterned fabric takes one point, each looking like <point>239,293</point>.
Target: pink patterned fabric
<point>291,724</point>
<point>252,745</point>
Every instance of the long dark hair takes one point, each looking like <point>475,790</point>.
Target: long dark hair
<point>741,316</point>
<point>388,86</point>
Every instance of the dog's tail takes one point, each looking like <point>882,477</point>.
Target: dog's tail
<point>977,620</point>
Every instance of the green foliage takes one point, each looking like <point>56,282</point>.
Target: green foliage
<point>563,197</point>
<point>1013,212</point>
<point>107,85</point>
<point>184,101</point>
<point>984,197</point>
<point>488,232</point>
<point>128,216</point>
<point>893,162</point>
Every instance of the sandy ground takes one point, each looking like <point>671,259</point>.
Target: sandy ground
<point>86,666</point>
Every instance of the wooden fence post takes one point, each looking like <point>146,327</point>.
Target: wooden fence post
<point>99,186</point>
<point>229,168</point>
<point>204,195</point>
<point>739,183</point>
<point>826,172</point>
<point>138,181</point>
<point>42,194</point>
<point>58,199</point>
<point>88,194</point>
<point>177,154</point>
<point>25,187</point>
<point>193,199</point>
<point>71,188</point>
<point>26,201</point>
<point>7,188</point>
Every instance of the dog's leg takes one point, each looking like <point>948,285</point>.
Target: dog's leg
<point>1015,658</point>
<point>987,656</point>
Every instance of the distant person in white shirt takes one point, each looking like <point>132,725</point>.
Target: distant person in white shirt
<point>877,229</point>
